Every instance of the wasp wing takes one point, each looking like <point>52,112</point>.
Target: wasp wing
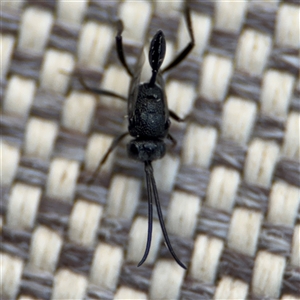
<point>134,85</point>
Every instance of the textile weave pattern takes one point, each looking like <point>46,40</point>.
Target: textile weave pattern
<point>229,190</point>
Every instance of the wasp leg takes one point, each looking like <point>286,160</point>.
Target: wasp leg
<point>113,145</point>
<point>182,55</point>
<point>101,91</point>
<point>119,46</point>
<point>173,140</point>
<point>174,116</point>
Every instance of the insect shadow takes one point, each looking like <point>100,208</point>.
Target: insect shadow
<point>148,117</point>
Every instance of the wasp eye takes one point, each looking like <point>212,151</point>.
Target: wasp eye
<point>134,149</point>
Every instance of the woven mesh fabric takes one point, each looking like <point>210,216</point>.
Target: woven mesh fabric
<point>229,190</point>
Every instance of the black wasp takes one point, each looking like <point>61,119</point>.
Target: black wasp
<point>148,117</point>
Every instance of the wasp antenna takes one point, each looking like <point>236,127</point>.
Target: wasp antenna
<point>150,211</point>
<point>162,223</point>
